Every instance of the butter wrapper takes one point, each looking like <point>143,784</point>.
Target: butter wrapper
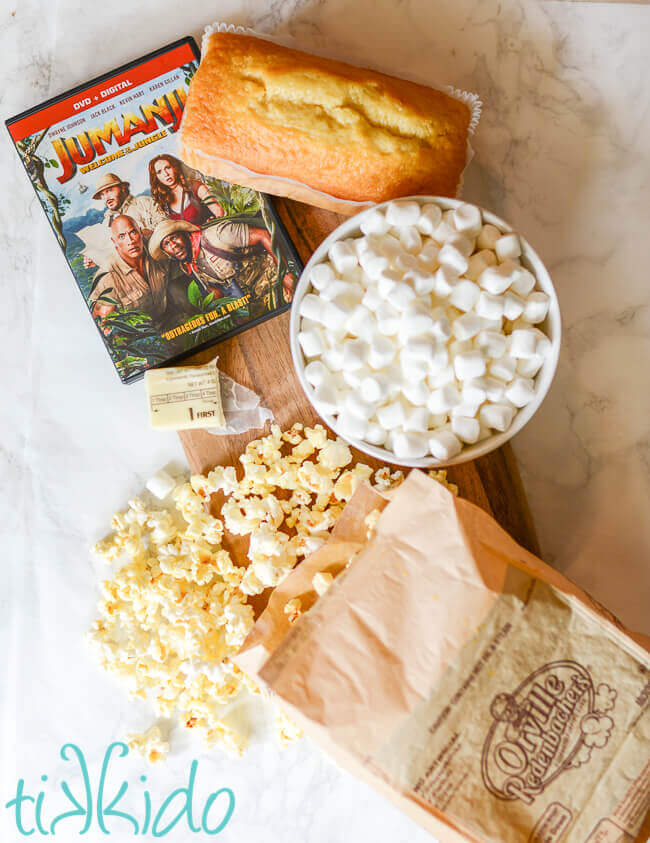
<point>184,397</point>
<point>476,687</point>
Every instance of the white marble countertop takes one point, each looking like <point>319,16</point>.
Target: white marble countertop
<point>561,152</point>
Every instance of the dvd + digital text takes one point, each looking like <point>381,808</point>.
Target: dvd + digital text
<point>167,259</point>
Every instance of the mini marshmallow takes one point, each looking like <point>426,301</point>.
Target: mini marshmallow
<point>536,307</point>
<point>373,265</point>
<point>466,326</point>
<point>496,416</point>
<point>333,358</point>
<point>351,427</point>
<point>444,445</point>
<point>335,289</point>
<point>478,262</point>
<point>460,347</point>
<point>401,295</point>
<point>402,214</point>
<point>496,279</point>
<point>417,392</point>
<point>321,275</point>
<point>327,399</point>
<point>406,263</point>
<point>442,378</point>
<point>521,391</point>
<point>375,434</point>
<point>356,406</point>
<point>465,245</point>
<point>492,343</point>
<point>465,428</point>
<point>488,236</point>
<point>504,368</point>
<point>450,256</point>
<point>373,388</point>
<point>440,328</point>
<point>428,255</point>
<point>444,281</point>
<point>424,348</point>
<point>311,307</point>
<point>417,418</point>
<point>390,246</point>
<point>411,239</point>
<point>410,446</point>
<point>416,320</point>
<point>371,299</point>
<point>412,369</point>
<point>386,281</point>
<point>494,388</point>
<point>388,319</point>
<point>530,366</point>
<point>161,484</point>
<point>355,354</point>
<point>468,219</point>
<point>444,399</point>
<point>444,232</point>
<point>489,306</point>
<point>391,415</point>
<point>430,216</point>
<point>422,281</point>
<point>464,294</point>
<point>334,315</point>
<point>513,305</point>
<point>342,256</point>
<point>361,323</point>
<point>473,393</point>
<point>354,377</point>
<point>469,364</point>
<point>374,222</point>
<point>368,244</point>
<point>312,342</point>
<point>523,281</point>
<point>523,343</point>
<point>380,352</point>
<point>316,372</point>
<point>508,246</point>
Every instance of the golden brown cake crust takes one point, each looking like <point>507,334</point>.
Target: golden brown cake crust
<point>346,131</point>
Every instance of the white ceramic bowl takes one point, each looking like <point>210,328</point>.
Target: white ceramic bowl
<point>551,326</point>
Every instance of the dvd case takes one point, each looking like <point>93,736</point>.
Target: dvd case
<point>167,259</point>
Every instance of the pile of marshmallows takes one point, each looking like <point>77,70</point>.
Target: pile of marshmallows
<point>420,331</point>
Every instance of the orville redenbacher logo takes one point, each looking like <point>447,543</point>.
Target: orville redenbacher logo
<point>549,724</point>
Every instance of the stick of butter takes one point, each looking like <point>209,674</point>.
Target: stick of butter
<point>184,397</point>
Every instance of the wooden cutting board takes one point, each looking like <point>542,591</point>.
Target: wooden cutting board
<point>260,359</point>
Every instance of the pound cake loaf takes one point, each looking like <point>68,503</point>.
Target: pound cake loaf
<point>317,130</point>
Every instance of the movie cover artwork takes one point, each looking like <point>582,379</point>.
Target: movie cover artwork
<point>167,259</point>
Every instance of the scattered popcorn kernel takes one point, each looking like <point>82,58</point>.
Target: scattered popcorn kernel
<point>286,730</point>
<point>321,582</point>
<point>385,480</point>
<point>150,745</point>
<point>293,609</point>
<point>441,476</point>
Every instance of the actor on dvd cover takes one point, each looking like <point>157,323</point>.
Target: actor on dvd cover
<point>168,260</point>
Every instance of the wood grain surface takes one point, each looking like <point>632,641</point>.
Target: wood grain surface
<point>260,359</point>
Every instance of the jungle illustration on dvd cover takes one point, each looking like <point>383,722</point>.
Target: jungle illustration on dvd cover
<point>168,260</point>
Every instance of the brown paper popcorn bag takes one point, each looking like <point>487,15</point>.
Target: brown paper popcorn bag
<point>475,686</point>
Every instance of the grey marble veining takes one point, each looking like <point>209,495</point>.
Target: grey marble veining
<point>561,152</point>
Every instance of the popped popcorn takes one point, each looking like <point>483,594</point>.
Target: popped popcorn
<point>177,609</point>
<point>321,582</point>
<point>293,609</point>
<point>150,745</point>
